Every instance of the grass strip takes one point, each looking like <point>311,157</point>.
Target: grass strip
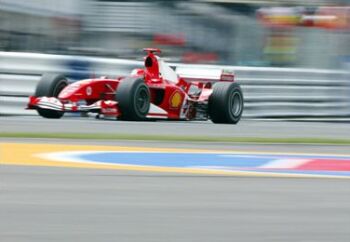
<point>188,138</point>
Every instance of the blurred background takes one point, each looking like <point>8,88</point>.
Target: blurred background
<point>282,33</point>
<point>291,57</point>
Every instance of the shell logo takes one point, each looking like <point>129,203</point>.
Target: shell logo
<point>175,100</point>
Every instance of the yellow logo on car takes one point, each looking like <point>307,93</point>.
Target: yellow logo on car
<point>175,100</point>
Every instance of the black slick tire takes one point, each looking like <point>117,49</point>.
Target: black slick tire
<point>50,85</point>
<point>225,104</point>
<point>133,97</point>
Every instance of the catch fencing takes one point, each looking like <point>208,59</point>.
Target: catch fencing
<point>268,92</point>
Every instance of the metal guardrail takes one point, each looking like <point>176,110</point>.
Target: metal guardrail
<point>268,92</point>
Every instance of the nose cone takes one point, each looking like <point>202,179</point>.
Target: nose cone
<point>67,92</point>
<point>74,89</point>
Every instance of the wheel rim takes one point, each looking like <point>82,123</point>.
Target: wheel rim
<point>142,100</point>
<point>236,104</point>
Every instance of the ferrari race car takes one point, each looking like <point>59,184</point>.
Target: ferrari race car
<point>154,92</point>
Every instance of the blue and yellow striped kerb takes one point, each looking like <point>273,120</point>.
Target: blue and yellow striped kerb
<point>234,163</point>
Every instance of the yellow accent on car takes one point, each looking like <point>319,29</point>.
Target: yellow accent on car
<point>175,100</point>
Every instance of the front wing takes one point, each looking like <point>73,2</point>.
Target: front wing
<point>105,107</point>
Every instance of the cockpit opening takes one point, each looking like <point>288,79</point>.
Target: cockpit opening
<point>148,62</point>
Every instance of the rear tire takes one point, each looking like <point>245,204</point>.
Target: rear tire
<point>50,85</point>
<point>133,97</point>
<point>226,103</point>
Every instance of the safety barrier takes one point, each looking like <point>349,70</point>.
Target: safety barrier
<point>268,92</point>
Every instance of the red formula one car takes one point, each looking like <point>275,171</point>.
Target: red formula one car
<point>155,92</point>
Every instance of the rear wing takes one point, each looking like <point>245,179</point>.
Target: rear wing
<point>191,74</point>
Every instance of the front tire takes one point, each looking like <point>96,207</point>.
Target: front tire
<point>50,85</point>
<point>226,103</point>
<point>133,97</point>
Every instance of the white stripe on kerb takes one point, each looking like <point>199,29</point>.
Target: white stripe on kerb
<point>284,163</point>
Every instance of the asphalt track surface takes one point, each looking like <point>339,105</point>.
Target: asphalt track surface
<point>246,128</point>
<point>73,204</point>
<point>60,204</point>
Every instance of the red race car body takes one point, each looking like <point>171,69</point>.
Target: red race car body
<point>154,92</point>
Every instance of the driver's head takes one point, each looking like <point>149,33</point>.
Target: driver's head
<point>152,67</point>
